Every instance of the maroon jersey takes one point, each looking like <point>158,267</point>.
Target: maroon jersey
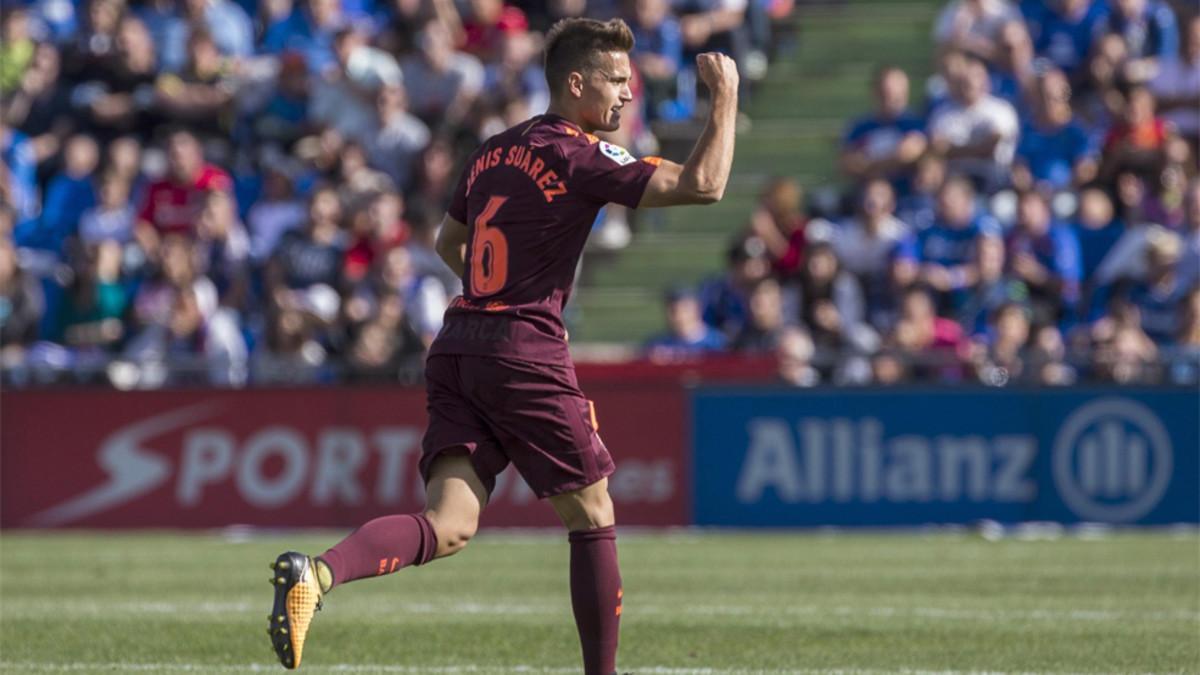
<point>529,197</point>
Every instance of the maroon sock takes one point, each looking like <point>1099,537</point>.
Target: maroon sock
<point>382,546</point>
<point>596,597</point>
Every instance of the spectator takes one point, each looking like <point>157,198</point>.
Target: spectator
<point>292,354</point>
<point>1097,230</point>
<point>1045,256</point>
<point>974,26</point>
<point>172,205</point>
<point>305,271</point>
<point>515,78</point>
<point>486,25</point>
<point>96,43</point>
<point>310,31</point>
<point>1124,354</point>
<point>927,343</point>
<point>201,95</point>
<point>40,105</point>
<point>345,100</point>
<point>1001,358</point>
<point>377,227</point>
<point>1159,296</point>
<point>795,352</point>
<point>94,302</point>
<point>1185,366</point>
<point>687,335</point>
<point>763,329</point>
<point>117,96</point>
<point>993,288</point>
<point>398,137</point>
<point>1176,87</point>
<point>71,192</point>
<point>178,320</point>
<point>1055,152</point>
<point>888,143</point>
<point>944,250</point>
<point>1065,32</point>
<point>112,219</point>
<point>866,244</point>
<point>779,222</point>
<point>19,189</point>
<point>1150,33</point>
<point>282,118</point>
<point>725,300</point>
<point>658,57</point>
<point>831,303</point>
<point>21,306</point>
<point>1014,74</point>
<point>1137,143</point>
<point>1046,360</point>
<point>226,22</point>
<point>918,208</point>
<point>17,50</point>
<point>976,132</point>
<point>224,249</point>
<point>442,83</point>
<point>425,297</point>
<point>275,214</point>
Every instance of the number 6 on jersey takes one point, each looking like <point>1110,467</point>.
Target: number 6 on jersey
<point>489,252</point>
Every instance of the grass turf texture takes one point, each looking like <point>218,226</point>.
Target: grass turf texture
<point>727,602</point>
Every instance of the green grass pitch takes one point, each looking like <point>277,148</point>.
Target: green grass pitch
<point>695,602</point>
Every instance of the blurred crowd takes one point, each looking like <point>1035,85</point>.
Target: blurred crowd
<point>247,191</point>
<point>1035,221</point>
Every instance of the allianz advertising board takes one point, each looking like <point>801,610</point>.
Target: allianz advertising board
<point>782,457</point>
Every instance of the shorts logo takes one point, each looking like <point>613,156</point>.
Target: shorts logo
<point>616,153</point>
<point>1112,460</point>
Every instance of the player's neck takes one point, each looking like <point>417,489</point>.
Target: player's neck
<point>566,113</point>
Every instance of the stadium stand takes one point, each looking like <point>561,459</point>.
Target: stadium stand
<point>232,192</point>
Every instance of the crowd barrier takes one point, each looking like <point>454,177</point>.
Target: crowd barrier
<point>709,455</point>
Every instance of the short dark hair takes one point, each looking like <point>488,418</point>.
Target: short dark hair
<point>574,45</point>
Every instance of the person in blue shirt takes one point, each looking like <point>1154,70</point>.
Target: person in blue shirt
<point>1065,32</point>
<point>1045,255</point>
<point>1150,32</point>
<point>310,31</point>
<point>70,193</point>
<point>1055,151</point>
<point>687,335</point>
<point>18,160</point>
<point>945,250</point>
<point>887,143</point>
<point>658,55</point>
<point>1097,229</point>
<point>725,300</point>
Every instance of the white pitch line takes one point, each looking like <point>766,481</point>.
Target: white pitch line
<point>184,610</point>
<point>80,666</point>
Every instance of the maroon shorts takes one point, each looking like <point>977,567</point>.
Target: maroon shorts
<point>500,411</point>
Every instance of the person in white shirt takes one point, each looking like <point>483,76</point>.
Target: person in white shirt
<point>974,26</point>
<point>975,131</point>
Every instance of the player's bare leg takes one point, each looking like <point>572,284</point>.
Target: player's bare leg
<point>454,498</point>
<point>595,578</point>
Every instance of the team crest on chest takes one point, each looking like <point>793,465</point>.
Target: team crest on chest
<point>616,153</point>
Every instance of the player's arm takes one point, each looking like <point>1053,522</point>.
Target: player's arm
<point>702,178</point>
<point>452,244</point>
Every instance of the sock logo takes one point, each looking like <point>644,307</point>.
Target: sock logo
<point>385,569</point>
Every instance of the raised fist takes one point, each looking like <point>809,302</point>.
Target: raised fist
<point>717,71</point>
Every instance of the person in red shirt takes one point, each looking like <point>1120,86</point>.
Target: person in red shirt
<point>173,205</point>
<point>1139,141</point>
<point>500,381</point>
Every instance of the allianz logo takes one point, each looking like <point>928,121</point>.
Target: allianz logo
<point>1111,461</point>
<point>843,460</point>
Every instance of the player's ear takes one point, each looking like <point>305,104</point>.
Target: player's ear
<point>575,84</point>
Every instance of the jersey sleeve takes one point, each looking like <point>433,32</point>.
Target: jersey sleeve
<point>606,173</point>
